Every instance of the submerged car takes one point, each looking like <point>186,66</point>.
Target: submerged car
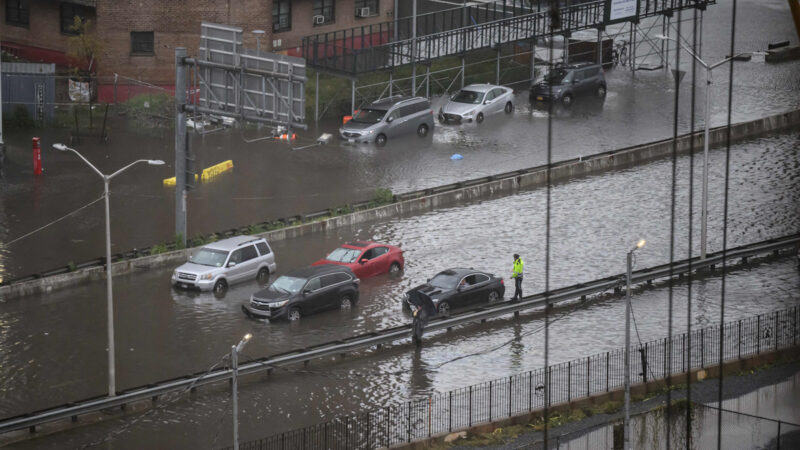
<point>366,259</point>
<point>222,263</point>
<point>475,102</point>
<point>389,118</point>
<point>305,291</point>
<point>456,288</point>
<point>566,83</point>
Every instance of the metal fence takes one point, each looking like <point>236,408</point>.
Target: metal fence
<point>505,397</point>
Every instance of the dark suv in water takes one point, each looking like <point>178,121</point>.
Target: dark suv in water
<point>305,291</point>
<point>567,83</point>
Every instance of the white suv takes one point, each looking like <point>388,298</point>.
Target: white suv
<point>216,265</point>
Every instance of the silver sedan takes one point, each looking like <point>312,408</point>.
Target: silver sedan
<point>475,102</point>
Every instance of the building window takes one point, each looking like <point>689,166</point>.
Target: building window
<point>281,15</point>
<point>366,8</point>
<point>17,12</point>
<point>142,42</point>
<point>323,12</point>
<point>68,13</point>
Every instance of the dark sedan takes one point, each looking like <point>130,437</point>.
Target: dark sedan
<point>456,288</point>
<point>305,291</point>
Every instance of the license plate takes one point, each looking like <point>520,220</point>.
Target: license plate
<point>351,140</point>
<point>184,285</point>
<point>540,98</point>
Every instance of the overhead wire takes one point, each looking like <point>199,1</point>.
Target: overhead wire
<point>17,239</point>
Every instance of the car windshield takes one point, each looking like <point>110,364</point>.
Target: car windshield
<point>209,257</point>
<point>445,280</point>
<point>471,97</point>
<point>368,115</point>
<point>344,255</point>
<point>556,76</point>
<point>288,285</point>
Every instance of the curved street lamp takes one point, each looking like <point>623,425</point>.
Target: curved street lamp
<point>112,389</point>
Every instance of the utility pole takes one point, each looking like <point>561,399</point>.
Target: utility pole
<point>1,112</point>
<point>414,48</point>
<point>627,430</point>
<point>180,143</point>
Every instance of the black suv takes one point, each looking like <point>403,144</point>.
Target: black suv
<point>305,291</point>
<point>570,82</point>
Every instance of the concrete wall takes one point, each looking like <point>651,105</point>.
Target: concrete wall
<point>445,196</point>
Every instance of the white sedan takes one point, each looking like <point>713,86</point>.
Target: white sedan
<point>475,102</point>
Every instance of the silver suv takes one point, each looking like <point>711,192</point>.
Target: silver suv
<point>389,118</point>
<point>567,83</point>
<point>216,265</point>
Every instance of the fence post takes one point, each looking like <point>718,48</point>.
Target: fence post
<point>569,381</point>
<point>430,405</point>
<point>794,326</point>
<point>588,374</point>
<point>530,390</point>
<point>325,438</point>
<point>347,432</point>
<point>702,348</point>
<point>740,338</point>
<point>758,339</point>
<point>666,350</point>
<point>779,435</point>
<point>608,361</point>
<point>510,381</point>
<point>369,427</point>
<point>408,424</point>
<point>775,330</point>
<point>683,352</point>
<point>450,413</point>
<point>490,400</point>
<point>388,423</point>
<point>470,407</point>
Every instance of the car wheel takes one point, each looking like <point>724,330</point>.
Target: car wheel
<point>494,296</point>
<point>263,275</point>
<point>294,314</point>
<point>509,108</point>
<point>380,141</point>
<point>394,268</point>
<point>479,117</point>
<point>220,287</point>
<point>444,309</point>
<point>601,92</point>
<point>346,302</point>
<point>567,100</point>
<point>422,130</point>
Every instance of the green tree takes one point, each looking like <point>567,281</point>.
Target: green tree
<point>84,48</point>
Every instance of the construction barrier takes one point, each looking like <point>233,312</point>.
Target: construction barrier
<point>216,170</point>
<point>171,181</point>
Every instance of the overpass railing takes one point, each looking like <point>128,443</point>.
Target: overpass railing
<point>388,45</point>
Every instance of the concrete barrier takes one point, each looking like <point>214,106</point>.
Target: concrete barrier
<point>444,196</point>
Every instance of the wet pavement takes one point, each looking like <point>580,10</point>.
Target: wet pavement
<point>53,345</point>
<point>270,181</point>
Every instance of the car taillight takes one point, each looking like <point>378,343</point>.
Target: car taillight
<point>502,282</point>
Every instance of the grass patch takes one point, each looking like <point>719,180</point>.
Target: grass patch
<point>496,437</point>
<point>158,249</point>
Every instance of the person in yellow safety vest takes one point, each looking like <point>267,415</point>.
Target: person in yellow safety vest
<point>517,276</point>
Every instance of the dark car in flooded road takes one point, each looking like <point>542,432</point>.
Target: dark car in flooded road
<point>458,287</point>
<point>305,291</point>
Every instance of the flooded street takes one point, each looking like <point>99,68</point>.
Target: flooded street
<point>162,333</point>
<point>270,181</point>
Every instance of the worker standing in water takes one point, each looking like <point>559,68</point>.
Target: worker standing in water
<point>517,276</point>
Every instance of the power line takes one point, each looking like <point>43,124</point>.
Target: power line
<point>55,221</point>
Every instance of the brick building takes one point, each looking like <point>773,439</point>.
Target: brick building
<point>139,36</point>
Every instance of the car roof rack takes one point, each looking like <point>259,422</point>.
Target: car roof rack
<point>247,242</point>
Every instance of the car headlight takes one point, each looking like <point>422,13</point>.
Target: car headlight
<point>468,114</point>
<point>278,304</point>
<point>369,132</point>
<point>207,276</point>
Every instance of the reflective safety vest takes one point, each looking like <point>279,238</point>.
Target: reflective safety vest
<point>518,264</point>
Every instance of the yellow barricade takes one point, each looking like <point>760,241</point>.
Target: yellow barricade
<point>217,169</point>
<point>171,181</point>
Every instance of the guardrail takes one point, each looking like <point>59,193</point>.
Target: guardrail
<point>387,336</point>
<point>522,393</point>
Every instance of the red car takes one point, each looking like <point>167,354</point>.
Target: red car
<point>366,259</point>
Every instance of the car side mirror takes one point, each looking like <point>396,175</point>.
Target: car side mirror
<point>306,291</point>
<point>487,102</point>
<point>429,280</point>
<point>363,260</point>
<point>389,119</point>
<point>231,264</point>
<point>575,81</point>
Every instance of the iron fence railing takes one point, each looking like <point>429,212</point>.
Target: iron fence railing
<point>505,397</point>
<point>455,31</point>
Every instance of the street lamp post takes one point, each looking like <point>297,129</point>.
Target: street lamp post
<point>235,349</point>
<point>112,389</point>
<point>704,200</point>
<point>627,431</point>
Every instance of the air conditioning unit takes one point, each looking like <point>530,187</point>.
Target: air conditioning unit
<point>362,12</point>
<point>284,21</point>
<point>277,43</point>
<point>319,20</point>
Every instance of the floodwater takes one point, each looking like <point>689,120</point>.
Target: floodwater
<point>270,181</point>
<point>53,345</point>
